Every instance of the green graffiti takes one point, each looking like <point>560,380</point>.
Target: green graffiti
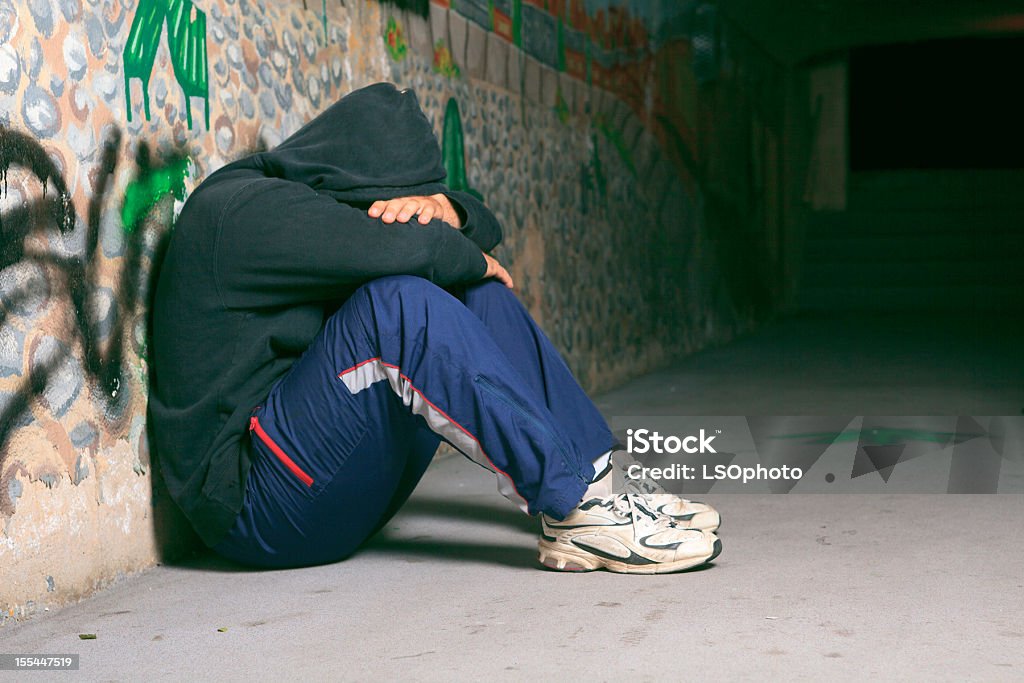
<point>614,136</point>
<point>595,165</point>
<point>443,62</point>
<point>882,436</point>
<point>150,187</point>
<point>586,188</point>
<point>394,40</point>
<point>323,14</point>
<point>561,107</point>
<point>453,153</point>
<point>517,23</point>
<point>186,38</point>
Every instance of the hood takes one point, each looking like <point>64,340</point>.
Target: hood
<point>374,143</point>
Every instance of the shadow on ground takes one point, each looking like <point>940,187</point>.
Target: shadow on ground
<point>417,513</point>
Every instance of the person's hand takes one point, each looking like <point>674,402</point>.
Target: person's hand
<point>497,271</point>
<point>403,209</point>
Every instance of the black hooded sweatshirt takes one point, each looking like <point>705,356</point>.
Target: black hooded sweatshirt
<point>264,250</point>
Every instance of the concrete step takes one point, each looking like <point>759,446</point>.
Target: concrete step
<point>919,240</point>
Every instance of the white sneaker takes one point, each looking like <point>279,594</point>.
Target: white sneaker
<point>623,534</point>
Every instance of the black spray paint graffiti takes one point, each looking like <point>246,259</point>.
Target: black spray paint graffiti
<point>103,350</point>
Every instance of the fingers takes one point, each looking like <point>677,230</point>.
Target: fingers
<point>403,209</point>
<point>409,209</point>
<point>504,278</point>
<point>497,271</point>
<point>428,212</point>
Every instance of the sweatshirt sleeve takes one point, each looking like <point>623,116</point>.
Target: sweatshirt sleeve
<point>282,243</point>
<point>481,224</point>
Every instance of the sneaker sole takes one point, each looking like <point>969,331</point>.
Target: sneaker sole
<point>560,558</point>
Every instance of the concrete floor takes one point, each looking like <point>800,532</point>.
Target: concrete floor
<point>925,587</point>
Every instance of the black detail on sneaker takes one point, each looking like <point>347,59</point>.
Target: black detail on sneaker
<point>580,526</point>
<point>596,503</point>
<point>633,558</point>
<point>644,509</point>
<point>663,546</point>
<point>717,550</point>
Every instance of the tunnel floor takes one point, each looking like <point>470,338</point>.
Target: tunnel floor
<point>847,363</point>
<point>902,587</point>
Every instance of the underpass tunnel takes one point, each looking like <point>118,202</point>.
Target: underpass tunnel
<point>863,166</point>
<point>765,211</point>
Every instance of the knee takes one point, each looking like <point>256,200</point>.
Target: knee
<point>487,293</point>
<point>405,292</point>
<point>489,287</point>
<point>404,286</point>
<point>390,306</point>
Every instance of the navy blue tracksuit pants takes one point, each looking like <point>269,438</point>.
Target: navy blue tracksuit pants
<point>345,435</point>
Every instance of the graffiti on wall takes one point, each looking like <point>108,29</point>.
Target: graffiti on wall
<point>186,40</point>
<point>550,51</point>
<point>394,40</point>
<point>443,63</point>
<point>453,153</point>
<point>101,339</point>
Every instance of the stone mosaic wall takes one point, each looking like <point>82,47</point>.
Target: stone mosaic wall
<point>113,110</point>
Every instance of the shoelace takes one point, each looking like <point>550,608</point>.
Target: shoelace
<point>629,504</point>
